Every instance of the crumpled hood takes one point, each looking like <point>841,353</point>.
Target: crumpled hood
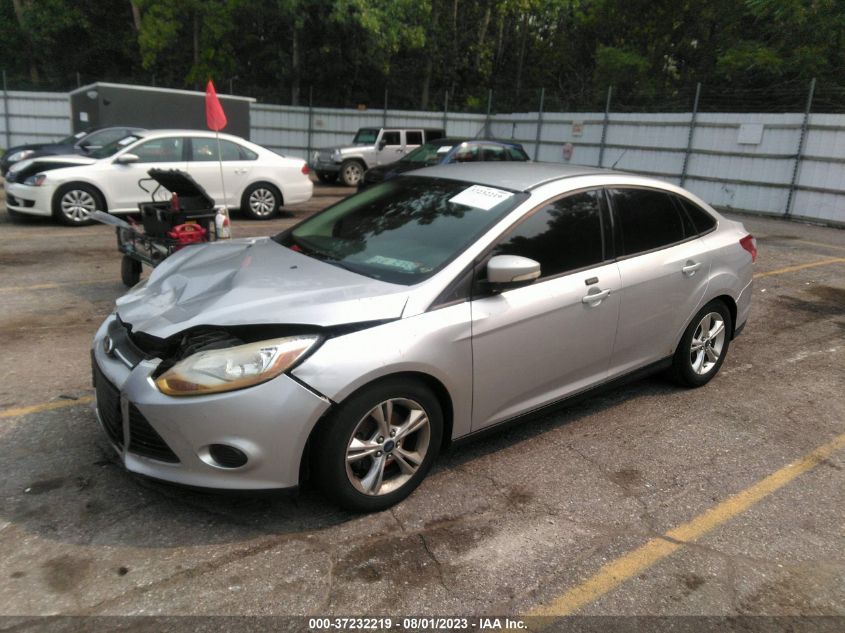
<point>46,163</point>
<point>254,281</point>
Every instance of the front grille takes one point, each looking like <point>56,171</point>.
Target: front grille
<point>108,406</point>
<point>143,439</point>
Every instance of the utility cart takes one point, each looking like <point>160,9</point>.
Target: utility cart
<point>180,213</point>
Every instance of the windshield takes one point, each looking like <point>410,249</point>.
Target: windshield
<point>427,154</point>
<point>70,140</point>
<point>403,230</point>
<point>366,136</point>
<point>115,146</point>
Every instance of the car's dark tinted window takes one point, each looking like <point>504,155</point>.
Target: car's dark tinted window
<point>391,138</point>
<point>563,235</point>
<point>648,219</point>
<point>702,220</point>
<point>413,137</point>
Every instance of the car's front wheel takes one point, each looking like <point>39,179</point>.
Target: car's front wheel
<point>261,201</point>
<point>351,172</point>
<point>704,345</point>
<point>377,447</point>
<point>74,203</point>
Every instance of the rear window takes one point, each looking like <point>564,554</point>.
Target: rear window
<point>702,220</point>
<point>648,219</point>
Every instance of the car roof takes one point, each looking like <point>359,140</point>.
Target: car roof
<point>461,139</point>
<point>183,132</point>
<point>516,176</point>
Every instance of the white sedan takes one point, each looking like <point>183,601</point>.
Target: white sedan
<point>257,180</point>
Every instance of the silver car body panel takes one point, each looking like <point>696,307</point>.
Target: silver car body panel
<point>567,344</point>
<point>252,281</point>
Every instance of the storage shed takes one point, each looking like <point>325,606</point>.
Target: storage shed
<point>106,104</point>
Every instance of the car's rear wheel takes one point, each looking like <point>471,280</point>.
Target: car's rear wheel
<point>327,177</point>
<point>704,345</point>
<point>377,447</point>
<point>74,203</point>
<point>351,172</point>
<point>261,201</point>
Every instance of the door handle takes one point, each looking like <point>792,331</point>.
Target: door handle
<point>595,297</point>
<point>690,268</point>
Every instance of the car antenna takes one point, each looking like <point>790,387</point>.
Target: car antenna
<point>618,159</point>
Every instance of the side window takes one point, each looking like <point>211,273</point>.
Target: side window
<point>413,137</point>
<point>564,235</point>
<point>517,154</point>
<point>493,152</point>
<point>466,153</point>
<point>647,219</point>
<point>391,137</point>
<point>702,220</point>
<point>160,150</point>
<point>205,149</point>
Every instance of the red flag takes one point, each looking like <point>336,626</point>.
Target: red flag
<point>214,115</point>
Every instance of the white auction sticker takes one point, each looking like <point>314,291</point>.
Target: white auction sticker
<point>481,197</point>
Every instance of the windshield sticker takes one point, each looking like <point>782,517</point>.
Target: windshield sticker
<point>443,149</point>
<point>393,263</point>
<point>125,141</point>
<point>479,197</point>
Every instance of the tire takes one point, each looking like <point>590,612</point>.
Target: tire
<point>130,271</point>
<point>351,172</point>
<point>74,202</point>
<point>703,346</point>
<point>327,177</point>
<point>368,419</point>
<point>261,201</point>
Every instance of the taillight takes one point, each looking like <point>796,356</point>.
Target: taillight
<point>750,244</point>
<point>305,169</point>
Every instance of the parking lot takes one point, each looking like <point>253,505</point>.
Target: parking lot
<point>648,500</point>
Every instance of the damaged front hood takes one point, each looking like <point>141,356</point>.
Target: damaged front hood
<point>254,281</point>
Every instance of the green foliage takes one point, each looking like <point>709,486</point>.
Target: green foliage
<point>349,52</point>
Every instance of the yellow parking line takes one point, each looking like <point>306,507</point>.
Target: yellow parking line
<point>618,571</point>
<point>792,269</point>
<point>44,406</point>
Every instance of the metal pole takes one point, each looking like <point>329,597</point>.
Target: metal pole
<point>6,113</point>
<point>790,200</point>
<point>691,133</point>
<point>78,79</point>
<point>605,124</point>
<point>310,120</point>
<point>384,118</point>
<point>445,110</point>
<point>489,109</point>
<point>539,124</point>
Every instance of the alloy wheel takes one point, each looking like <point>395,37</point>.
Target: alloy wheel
<point>388,446</point>
<point>77,205</point>
<point>262,202</point>
<point>708,342</point>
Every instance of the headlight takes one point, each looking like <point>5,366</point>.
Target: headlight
<point>21,155</point>
<point>35,181</point>
<point>233,367</point>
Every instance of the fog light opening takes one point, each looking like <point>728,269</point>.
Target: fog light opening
<point>225,456</point>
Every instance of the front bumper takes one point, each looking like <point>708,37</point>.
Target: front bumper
<point>26,199</point>
<point>168,438</point>
<point>324,165</point>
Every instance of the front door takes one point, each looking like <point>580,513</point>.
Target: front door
<point>393,149</point>
<point>128,184</point>
<point>539,343</point>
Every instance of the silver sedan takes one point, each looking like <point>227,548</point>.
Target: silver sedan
<point>356,345</point>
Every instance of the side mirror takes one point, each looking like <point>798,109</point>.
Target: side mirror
<point>382,144</point>
<point>511,270</point>
<point>126,159</point>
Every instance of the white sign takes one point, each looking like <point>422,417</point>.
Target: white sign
<point>577,128</point>
<point>750,134</point>
<point>83,116</point>
<point>479,197</point>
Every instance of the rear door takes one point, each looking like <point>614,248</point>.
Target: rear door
<point>535,344</point>
<point>204,166</point>
<point>664,267</point>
